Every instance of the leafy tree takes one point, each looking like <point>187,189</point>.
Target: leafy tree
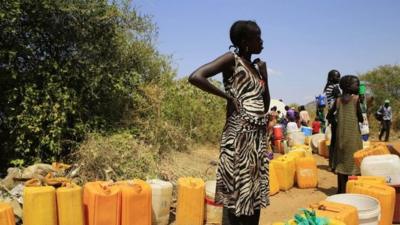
<point>68,67</point>
<point>384,83</point>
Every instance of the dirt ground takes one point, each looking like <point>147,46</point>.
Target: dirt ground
<point>199,163</point>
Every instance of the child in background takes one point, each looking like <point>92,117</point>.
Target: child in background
<point>348,136</point>
<point>291,126</point>
<point>316,126</point>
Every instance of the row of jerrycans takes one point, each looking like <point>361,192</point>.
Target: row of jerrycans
<point>99,203</point>
<point>298,166</point>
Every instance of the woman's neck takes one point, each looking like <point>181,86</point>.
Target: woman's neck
<point>245,55</point>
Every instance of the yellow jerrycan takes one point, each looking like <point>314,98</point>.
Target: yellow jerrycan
<point>6,214</point>
<point>70,204</point>
<point>102,203</point>
<point>385,194</point>
<point>136,202</point>
<point>342,212</point>
<point>190,206</point>
<point>273,180</point>
<point>306,172</point>
<point>45,197</point>
<point>286,166</point>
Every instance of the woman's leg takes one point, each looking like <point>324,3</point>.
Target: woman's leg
<point>229,218</point>
<point>251,220</point>
<point>342,181</point>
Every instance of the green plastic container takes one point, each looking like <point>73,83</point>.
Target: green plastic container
<point>362,89</point>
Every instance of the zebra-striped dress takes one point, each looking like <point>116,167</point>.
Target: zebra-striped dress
<point>242,175</point>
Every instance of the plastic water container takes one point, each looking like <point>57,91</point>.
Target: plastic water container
<point>190,201</point>
<point>306,172</point>
<point>374,149</point>
<point>306,130</point>
<point>323,149</point>
<point>161,201</point>
<point>382,165</point>
<point>296,138</point>
<point>334,210</point>
<point>135,202</point>
<point>396,216</point>
<point>102,203</point>
<point>328,135</point>
<point>213,214</point>
<point>368,208</point>
<point>314,141</point>
<point>273,180</point>
<point>70,205</point>
<point>286,165</point>
<point>40,207</point>
<point>385,194</point>
<point>6,214</point>
<point>278,132</point>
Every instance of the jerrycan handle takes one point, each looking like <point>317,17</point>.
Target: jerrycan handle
<point>34,182</point>
<point>324,207</point>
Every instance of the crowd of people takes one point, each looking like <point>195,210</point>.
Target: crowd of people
<point>243,168</point>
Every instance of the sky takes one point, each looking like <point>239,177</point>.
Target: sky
<point>303,39</point>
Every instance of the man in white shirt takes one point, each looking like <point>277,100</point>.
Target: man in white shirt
<point>386,112</point>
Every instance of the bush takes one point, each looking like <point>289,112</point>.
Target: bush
<point>118,157</point>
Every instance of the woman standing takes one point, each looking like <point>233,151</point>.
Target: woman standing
<point>242,176</point>
<point>347,112</point>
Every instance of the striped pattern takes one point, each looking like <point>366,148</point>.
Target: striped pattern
<point>330,93</point>
<point>242,176</point>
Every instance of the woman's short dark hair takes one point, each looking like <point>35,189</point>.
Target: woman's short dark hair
<point>346,82</point>
<point>240,31</point>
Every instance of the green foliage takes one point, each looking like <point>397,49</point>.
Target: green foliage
<point>68,67</point>
<point>384,83</point>
<point>118,157</point>
<point>201,115</point>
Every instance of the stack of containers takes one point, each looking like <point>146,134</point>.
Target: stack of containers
<point>278,138</point>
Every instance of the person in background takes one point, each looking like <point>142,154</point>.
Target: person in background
<point>332,89</point>
<point>291,126</point>
<point>290,114</point>
<point>364,126</point>
<point>316,126</point>
<point>304,116</point>
<point>242,175</point>
<point>332,92</point>
<point>386,112</point>
<point>347,111</point>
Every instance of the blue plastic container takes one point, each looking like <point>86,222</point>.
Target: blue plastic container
<point>306,130</point>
